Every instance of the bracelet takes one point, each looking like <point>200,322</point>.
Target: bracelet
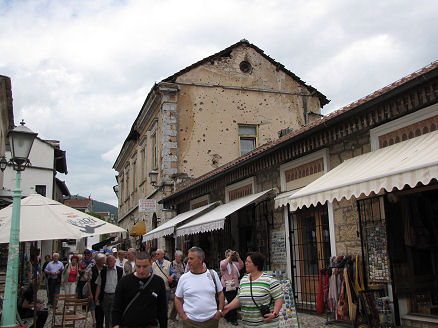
<point>275,314</point>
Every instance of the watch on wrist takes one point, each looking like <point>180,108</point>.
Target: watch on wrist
<point>220,311</point>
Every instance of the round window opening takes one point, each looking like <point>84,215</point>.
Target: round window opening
<point>245,67</point>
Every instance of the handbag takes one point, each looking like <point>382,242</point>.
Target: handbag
<point>264,309</point>
<point>174,282</point>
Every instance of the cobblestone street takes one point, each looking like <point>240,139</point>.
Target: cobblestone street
<point>306,320</point>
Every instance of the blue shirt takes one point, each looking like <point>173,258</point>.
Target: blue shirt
<point>172,272</point>
<point>54,267</point>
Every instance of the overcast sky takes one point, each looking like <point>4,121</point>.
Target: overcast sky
<point>81,70</point>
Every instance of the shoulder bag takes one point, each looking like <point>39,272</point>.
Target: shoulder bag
<point>174,282</point>
<point>216,296</point>
<point>264,309</point>
<point>142,287</point>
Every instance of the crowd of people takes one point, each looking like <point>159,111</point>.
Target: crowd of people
<point>145,289</point>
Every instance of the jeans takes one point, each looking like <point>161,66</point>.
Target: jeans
<point>54,287</point>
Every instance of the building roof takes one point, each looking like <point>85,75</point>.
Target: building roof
<point>8,100</point>
<point>323,122</point>
<point>134,135</point>
<point>77,202</point>
<point>226,52</point>
<point>63,187</point>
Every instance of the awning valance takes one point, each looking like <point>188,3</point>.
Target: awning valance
<point>139,229</point>
<point>284,198</point>
<point>405,163</point>
<point>214,219</point>
<point>168,228</point>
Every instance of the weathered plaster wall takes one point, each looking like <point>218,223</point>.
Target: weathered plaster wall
<point>208,117</point>
<point>345,212</point>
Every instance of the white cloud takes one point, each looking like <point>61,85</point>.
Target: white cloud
<point>111,155</point>
<point>81,70</point>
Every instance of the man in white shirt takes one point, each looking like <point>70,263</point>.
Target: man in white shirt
<point>195,296</point>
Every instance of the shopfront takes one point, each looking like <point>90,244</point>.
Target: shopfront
<point>389,197</point>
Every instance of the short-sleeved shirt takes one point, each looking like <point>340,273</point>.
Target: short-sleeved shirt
<point>265,290</point>
<point>54,267</point>
<point>199,294</point>
<point>111,280</point>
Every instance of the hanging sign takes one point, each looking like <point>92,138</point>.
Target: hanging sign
<point>147,205</point>
<point>278,247</point>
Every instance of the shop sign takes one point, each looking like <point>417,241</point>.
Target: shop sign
<point>146,205</point>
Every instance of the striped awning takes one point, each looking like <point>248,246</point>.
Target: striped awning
<point>406,163</point>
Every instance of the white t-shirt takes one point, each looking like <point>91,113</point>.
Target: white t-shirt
<point>198,293</point>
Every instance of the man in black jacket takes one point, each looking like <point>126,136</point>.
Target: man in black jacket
<point>135,306</point>
<point>106,283</point>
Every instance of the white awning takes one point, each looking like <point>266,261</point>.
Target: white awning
<point>405,163</point>
<point>214,219</point>
<point>284,198</point>
<point>168,228</point>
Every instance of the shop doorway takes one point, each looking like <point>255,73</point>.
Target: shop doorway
<point>413,222</point>
<point>310,252</point>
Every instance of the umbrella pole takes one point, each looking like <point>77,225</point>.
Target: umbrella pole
<point>9,314</point>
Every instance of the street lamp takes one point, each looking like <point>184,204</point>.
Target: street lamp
<point>21,140</point>
<point>153,176</point>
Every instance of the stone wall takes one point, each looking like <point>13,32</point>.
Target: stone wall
<point>345,212</point>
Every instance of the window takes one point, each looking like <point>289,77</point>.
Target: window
<point>248,138</point>
<point>154,151</point>
<point>134,168</point>
<point>143,164</point>
<point>40,189</point>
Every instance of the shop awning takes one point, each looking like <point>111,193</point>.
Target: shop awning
<point>405,163</point>
<point>214,219</point>
<point>168,228</point>
<point>284,198</point>
<point>139,229</point>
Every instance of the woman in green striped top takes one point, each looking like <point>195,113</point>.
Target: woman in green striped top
<point>265,291</point>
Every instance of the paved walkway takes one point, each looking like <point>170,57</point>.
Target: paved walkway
<point>306,320</point>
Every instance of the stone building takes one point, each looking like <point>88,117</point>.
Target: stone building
<point>6,124</point>
<point>361,181</point>
<point>200,118</point>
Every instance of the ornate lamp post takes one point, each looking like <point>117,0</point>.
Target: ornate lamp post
<point>21,140</point>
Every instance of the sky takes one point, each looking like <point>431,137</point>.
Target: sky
<point>81,70</point>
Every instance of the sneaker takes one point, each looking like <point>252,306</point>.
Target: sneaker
<point>235,323</point>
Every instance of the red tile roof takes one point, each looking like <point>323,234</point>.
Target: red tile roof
<point>77,202</point>
<point>292,135</point>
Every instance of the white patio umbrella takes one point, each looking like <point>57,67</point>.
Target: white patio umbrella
<point>42,218</point>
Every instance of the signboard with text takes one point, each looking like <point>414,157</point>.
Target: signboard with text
<point>147,205</point>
